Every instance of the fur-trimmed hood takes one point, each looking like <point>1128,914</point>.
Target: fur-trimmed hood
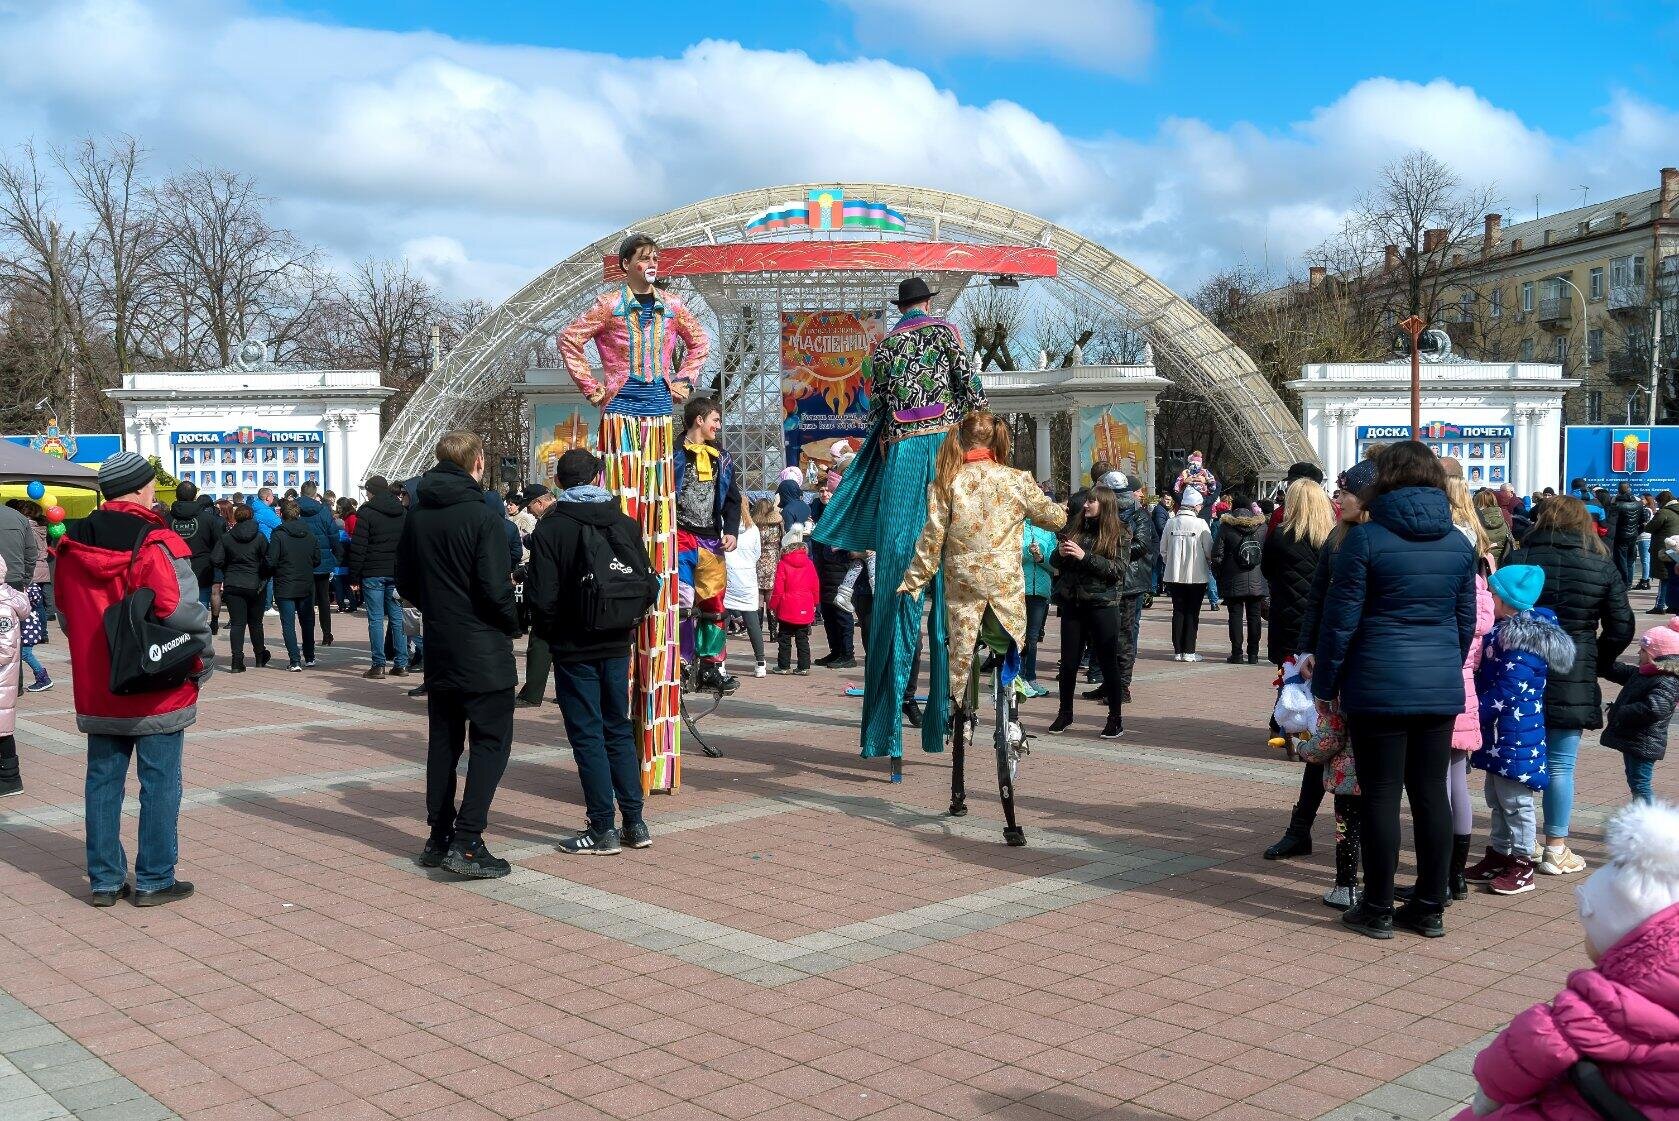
<point>1243,520</point>
<point>1537,632</point>
<point>1668,665</point>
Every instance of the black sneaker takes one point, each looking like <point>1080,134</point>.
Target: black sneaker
<point>417,691</point>
<point>637,837</point>
<point>843,663</point>
<point>109,898</point>
<point>180,889</point>
<point>473,860</point>
<point>308,663</point>
<point>1369,921</point>
<point>712,679</point>
<point>1113,729</point>
<point>525,702</point>
<point>1289,846</point>
<point>589,843</point>
<point>1100,693</point>
<point>912,713</point>
<point>1062,720</point>
<point>433,854</point>
<point>11,780</point>
<point>1420,918</point>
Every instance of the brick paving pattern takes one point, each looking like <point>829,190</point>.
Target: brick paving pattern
<point>804,941</point>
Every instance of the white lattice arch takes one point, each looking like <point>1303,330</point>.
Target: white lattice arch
<point>495,354</point>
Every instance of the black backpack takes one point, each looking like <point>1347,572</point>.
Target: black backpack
<point>616,585</point>
<point>146,656</point>
<point>1248,552</point>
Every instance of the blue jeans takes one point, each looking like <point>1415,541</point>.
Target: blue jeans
<point>293,611</point>
<point>1644,558</point>
<point>1037,611</point>
<point>379,594</point>
<point>1641,774</point>
<point>34,663</point>
<point>204,595</point>
<point>594,700</point>
<point>1562,745</point>
<point>158,760</point>
<point>1212,591</point>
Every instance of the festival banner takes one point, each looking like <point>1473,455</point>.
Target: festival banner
<point>822,357</point>
<point>555,430</point>
<point>1115,434</point>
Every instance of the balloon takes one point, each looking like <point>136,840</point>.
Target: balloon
<point>54,514</point>
<point>37,490</point>
<point>56,530</point>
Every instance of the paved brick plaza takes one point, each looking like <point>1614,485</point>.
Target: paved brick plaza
<point>805,940</point>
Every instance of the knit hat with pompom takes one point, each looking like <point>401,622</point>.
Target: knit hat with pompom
<point>1641,878</point>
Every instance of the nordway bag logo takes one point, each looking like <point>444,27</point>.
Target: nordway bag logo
<point>156,651</point>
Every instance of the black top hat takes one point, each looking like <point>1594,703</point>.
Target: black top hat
<point>913,291</point>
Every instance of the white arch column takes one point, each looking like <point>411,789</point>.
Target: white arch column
<point>1041,444</point>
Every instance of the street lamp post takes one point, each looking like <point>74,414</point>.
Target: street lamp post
<point>1585,335</point>
<point>1413,326</point>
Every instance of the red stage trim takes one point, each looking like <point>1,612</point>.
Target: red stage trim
<point>849,256</point>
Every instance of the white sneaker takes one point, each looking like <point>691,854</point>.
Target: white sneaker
<point>1193,658</point>
<point>842,600</point>
<point>1177,657</point>
<point>1560,862</point>
<point>760,670</point>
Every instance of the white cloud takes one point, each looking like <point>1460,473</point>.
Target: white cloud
<point>1111,36</point>
<point>486,164</point>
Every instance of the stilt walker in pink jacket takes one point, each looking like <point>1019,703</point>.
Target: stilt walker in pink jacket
<point>1615,1029</point>
<point>14,605</point>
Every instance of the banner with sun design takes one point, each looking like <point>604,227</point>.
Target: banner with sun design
<point>822,358</point>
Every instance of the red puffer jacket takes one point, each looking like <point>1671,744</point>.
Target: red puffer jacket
<point>797,588</point>
<point>94,571</point>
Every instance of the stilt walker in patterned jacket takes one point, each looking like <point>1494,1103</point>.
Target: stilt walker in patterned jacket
<point>636,329</point>
<point>921,385</point>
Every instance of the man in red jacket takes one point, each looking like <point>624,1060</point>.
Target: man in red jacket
<point>120,547</point>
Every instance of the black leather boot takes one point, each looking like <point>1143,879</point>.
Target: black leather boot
<point>1460,856</point>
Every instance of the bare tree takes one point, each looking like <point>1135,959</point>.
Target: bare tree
<point>994,320</point>
<point>1396,252</point>
<point>231,275</point>
<point>123,244</point>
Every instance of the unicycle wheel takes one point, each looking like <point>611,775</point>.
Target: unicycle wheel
<point>1014,836</point>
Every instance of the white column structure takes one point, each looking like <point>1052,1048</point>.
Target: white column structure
<point>1329,437</point>
<point>1075,468</point>
<point>1041,444</point>
<point>1149,467</point>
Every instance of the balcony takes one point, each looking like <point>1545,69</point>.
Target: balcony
<point>1556,311</point>
<point>1629,367</point>
<point>1628,297</point>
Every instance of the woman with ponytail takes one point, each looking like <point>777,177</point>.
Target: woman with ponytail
<point>976,510</point>
<point>1090,567</point>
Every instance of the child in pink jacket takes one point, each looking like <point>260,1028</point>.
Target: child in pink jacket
<point>14,607</point>
<point>1466,738</point>
<point>1622,1016</point>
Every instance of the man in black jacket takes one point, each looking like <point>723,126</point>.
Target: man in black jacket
<point>452,564</point>
<point>1626,522</point>
<point>200,527</point>
<point>372,565</point>
<point>591,667</point>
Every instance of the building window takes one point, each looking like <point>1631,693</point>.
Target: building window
<point>1559,351</point>
<point>1527,350</point>
<point>1466,305</point>
<point>1594,407</point>
<point>1626,272</point>
<point>1527,296</point>
<point>1635,406</point>
<point>1496,303</point>
<point>1596,288</point>
<point>1594,344</point>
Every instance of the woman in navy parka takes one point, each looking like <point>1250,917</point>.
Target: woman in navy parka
<point>1396,628</point>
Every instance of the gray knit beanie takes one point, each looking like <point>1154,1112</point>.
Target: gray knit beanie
<point>124,473</point>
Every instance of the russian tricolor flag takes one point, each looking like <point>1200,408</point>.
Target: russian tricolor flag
<point>1629,451</point>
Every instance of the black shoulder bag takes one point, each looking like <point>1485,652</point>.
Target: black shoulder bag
<point>1589,1082</point>
<point>146,655</point>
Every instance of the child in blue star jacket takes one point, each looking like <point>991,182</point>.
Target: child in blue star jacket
<point>1523,647</point>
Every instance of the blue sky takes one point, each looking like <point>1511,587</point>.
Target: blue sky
<point>484,142</point>
<point>1221,61</point>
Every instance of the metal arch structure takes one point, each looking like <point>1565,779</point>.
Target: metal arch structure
<point>495,353</point>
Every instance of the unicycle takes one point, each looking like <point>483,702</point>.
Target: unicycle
<point>1008,739</point>
<point>707,695</point>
